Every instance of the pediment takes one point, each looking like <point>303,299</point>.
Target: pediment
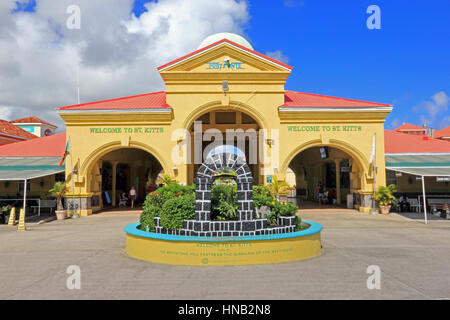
<point>225,58</point>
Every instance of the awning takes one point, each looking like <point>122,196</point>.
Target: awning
<point>420,164</point>
<point>21,168</point>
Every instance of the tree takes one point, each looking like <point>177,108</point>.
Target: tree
<point>58,191</point>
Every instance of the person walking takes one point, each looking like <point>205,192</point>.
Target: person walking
<point>132,195</point>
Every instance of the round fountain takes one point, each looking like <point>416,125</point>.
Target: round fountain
<point>247,240</point>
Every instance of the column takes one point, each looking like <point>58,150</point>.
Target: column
<point>338,180</point>
<point>114,176</point>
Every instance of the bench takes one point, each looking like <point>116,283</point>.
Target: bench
<point>414,205</point>
<point>438,205</point>
<point>45,204</point>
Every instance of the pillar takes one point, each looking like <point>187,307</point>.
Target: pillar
<point>114,177</point>
<point>338,180</point>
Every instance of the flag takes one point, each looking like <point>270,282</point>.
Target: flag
<point>372,155</point>
<point>66,152</point>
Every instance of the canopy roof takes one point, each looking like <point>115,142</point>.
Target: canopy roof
<point>425,164</point>
<point>21,168</point>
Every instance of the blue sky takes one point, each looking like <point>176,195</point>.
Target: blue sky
<point>334,53</point>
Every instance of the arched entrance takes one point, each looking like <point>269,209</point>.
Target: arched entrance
<point>336,170</point>
<point>237,128</point>
<point>115,172</point>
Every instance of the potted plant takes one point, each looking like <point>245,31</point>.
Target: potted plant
<point>385,197</point>
<point>58,191</point>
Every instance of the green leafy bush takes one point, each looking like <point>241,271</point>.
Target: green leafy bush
<point>174,203</point>
<point>224,202</point>
<point>262,196</point>
<point>177,209</point>
<point>148,215</point>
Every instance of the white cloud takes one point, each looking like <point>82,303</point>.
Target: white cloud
<point>433,110</point>
<point>278,55</point>
<point>118,53</point>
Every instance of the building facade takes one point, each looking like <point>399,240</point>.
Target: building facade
<point>225,92</point>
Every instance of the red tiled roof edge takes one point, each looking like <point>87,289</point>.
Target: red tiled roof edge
<point>48,146</point>
<point>74,106</point>
<point>287,92</point>
<point>32,119</point>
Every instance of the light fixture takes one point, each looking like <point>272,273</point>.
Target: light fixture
<point>270,142</point>
<point>275,169</point>
<point>225,87</point>
<point>398,174</point>
<point>175,170</point>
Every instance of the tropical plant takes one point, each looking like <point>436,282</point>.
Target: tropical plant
<point>385,195</point>
<point>165,179</point>
<point>224,202</point>
<point>262,196</point>
<point>58,191</point>
<point>279,187</point>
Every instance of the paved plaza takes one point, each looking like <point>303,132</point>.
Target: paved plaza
<point>414,259</point>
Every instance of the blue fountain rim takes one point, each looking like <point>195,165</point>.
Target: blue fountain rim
<point>314,228</point>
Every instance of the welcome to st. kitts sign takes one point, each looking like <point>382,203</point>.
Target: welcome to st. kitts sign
<point>226,64</point>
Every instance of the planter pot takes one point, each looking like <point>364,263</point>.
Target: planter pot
<point>61,214</point>
<point>385,209</point>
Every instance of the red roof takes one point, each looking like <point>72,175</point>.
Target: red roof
<point>143,101</point>
<point>410,127</point>
<point>32,119</point>
<point>8,128</point>
<point>310,100</point>
<point>230,42</point>
<point>50,146</point>
<point>442,133</point>
<point>398,142</point>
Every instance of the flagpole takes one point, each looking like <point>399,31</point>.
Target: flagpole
<point>75,214</point>
<point>374,172</point>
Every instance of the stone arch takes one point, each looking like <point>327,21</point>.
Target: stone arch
<point>204,180</point>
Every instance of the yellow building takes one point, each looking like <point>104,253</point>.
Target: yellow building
<point>239,96</point>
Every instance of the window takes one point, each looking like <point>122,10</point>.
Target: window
<point>21,186</point>
<point>391,177</point>
<point>60,177</point>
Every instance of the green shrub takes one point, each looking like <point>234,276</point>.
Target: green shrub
<point>262,197</point>
<point>177,209</point>
<point>148,215</point>
<point>224,202</point>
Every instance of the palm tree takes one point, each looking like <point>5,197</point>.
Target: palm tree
<point>58,190</point>
<point>165,179</point>
<point>279,187</point>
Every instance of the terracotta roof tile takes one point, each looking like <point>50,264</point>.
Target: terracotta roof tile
<point>398,142</point>
<point>50,146</point>
<point>32,119</point>
<point>410,127</point>
<point>8,128</point>
<point>442,133</point>
<point>143,101</point>
<point>310,100</point>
